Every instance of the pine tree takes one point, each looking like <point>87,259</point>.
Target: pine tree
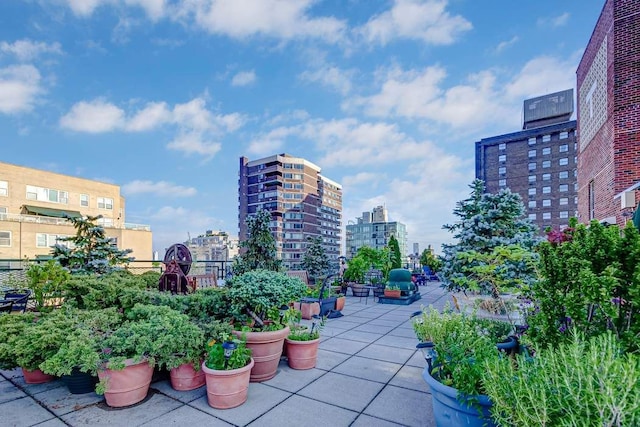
<point>260,251</point>
<point>315,259</point>
<point>91,250</point>
<point>487,221</point>
<point>396,257</point>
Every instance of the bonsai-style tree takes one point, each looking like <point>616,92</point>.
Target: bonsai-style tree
<point>394,248</point>
<point>487,221</point>
<point>259,251</point>
<point>315,259</point>
<point>427,258</point>
<point>92,251</point>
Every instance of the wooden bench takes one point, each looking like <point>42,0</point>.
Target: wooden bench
<point>203,281</point>
<point>300,274</point>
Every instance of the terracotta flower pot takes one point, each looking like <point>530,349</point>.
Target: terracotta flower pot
<point>227,389</point>
<point>266,349</point>
<point>392,293</point>
<point>302,354</point>
<point>127,386</point>
<point>36,376</point>
<point>185,377</point>
<point>308,309</point>
<point>340,303</point>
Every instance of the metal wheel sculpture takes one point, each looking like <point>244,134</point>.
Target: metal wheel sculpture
<point>181,254</point>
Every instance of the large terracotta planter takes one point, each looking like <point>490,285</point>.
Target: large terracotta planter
<point>36,376</point>
<point>302,354</point>
<point>392,293</point>
<point>266,349</point>
<point>308,309</point>
<point>127,386</point>
<point>227,389</point>
<point>340,303</point>
<point>185,377</point>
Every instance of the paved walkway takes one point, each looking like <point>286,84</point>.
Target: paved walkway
<point>368,374</point>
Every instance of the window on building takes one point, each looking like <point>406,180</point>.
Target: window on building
<point>546,215</point>
<point>532,153</point>
<point>564,214</point>
<point>502,182</point>
<point>3,212</point>
<point>563,187</point>
<point>502,170</point>
<point>546,138</point>
<point>564,135</point>
<point>563,148</point>
<point>546,203</point>
<point>502,158</point>
<point>546,190</point>
<point>105,203</point>
<point>84,200</point>
<point>4,188</point>
<point>5,238</point>
<point>502,146</point>
<point>532,203</point>
<point>532,141</point>
<point>105,222</point>
<point>546,164</point>
<point>533,216</point>
<point>532,166</point>
<point>532,179</point>
<point>47,194</point>
<point>563,201</point>
<point>563,174</point>
<point>563,162</point>
<point>546,176</point>
<point>532,191</point>
<point>546,150</point>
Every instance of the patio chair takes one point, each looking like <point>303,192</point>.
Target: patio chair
<point>5,307</point>
<point>19,298</point>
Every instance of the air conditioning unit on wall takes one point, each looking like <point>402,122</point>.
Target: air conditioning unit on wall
<point>628,200</point>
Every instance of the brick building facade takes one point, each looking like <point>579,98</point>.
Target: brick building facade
<point>608,85</point>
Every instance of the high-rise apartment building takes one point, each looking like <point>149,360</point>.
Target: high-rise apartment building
<point>373,229</point>
<point>608,86</point>
<point>303,203</point>
<point>538,162</point>
<point>33,205</point>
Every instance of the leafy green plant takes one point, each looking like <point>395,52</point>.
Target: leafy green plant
<point>392,287</point>
<point>365,259</point>
<point>394,253</point>
<point>300,332</point>
<point>578,383</point>
<point>430,260</point>
<point>11,328</point>
<point>315,259</point>
<point>259,250</point>
<point>46,281</point>
<point>215,359</point>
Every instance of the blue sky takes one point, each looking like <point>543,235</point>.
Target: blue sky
<point>162,97</point>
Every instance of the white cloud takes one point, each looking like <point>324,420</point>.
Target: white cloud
<point>155,9</point>
<point>160,188</point>
<point>554,21</point>
<point>331,77</point>
<point>368,178</point>
<point>85,8</point>
<point>19,88</point>
<point>542,75</point>
<point>193,143</point>
<point>27,50</point>
<point>506,44</point>
<point>428,21</point>
<point>243,78</point>
<point>95,116</point>
<point>153,115</point>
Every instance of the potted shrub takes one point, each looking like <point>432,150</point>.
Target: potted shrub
<point>227,369</point>
<point>256,298</point>
<point>461,345</point>
<point>392,291</point>
<point>46,282</point>
<point>302,342</point>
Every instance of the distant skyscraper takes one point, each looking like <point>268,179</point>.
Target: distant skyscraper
<point>539,162</point>
<point>375,234</point>
<point>303,203</point>
<point>416,248</point>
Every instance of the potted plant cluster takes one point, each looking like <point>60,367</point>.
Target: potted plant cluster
<point>302,342</point>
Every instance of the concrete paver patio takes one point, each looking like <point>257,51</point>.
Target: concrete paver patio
<point>368,374</point>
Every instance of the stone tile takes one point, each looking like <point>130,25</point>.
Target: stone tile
<point>374,370</point>
<point>353,322</point>
<point>186,416</point>
<point>11,373</point>
<point>261,399</point>
<point>343,391</point>
<point>23,412</point>
<point>340,345</point>
<point>155,406</point>
<point>410,377</point>
<point>327,360</point>
<point>417,360</point>
<point>374,329</point>
<point>292,380</point>
<point>164,387</point>
<point>367,337</point>
<point>60,401</point>
<point>384,322</point>
<point>398,342</point>
<point>403,332</point>
<point>10,392</point>
<point>32,389</point>
<point>407,407</point>
<point>54,422</point>
<point>365,315</point>
<point>368,421</point>
<point>300,411</point>
<point>386,353</point>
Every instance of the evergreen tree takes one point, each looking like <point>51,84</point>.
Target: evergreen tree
<point>259,251</point>
<point>315,260</point>
<point>394,248</point>
<point>91,250</point>
<point>487,221</point>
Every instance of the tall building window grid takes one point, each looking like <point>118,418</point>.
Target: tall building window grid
<point>546,150</point>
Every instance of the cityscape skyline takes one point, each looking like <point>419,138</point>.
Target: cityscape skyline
<point>388,97</point>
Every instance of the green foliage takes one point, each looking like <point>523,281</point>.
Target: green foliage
<point>463,344</point>
<point>315,259</point>
<point>259,251</point>
<point>579,383</point>
<point>240,357</point>
<point>151,279</point>
<point>11,328</point>
<point>590,281</point>
<point>117,289</point>
<point>300,332</point>
<point>430,260</point>
<point>396,257</point>
<point>365,259</point>
<point>254,293</point>
<point>487,221</point>
<point>92,251</point>
<point>46,281</point>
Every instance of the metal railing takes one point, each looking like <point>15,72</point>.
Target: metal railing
<point>37,219</point>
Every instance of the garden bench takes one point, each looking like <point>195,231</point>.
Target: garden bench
<point>300,274</point>
<point>203,281</point>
